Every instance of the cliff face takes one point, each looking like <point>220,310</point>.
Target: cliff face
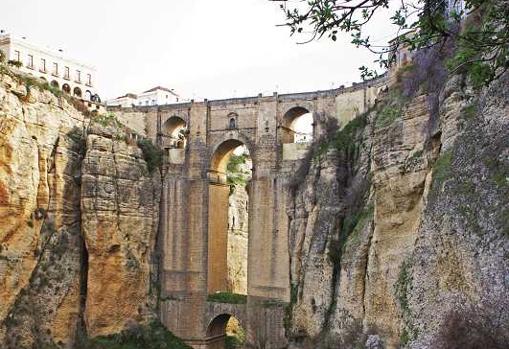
<point>238,204</point>
<point>399,229</point>
<point>78,212</point>
<point>120,210</point>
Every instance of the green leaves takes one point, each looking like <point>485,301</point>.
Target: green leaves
<point>480,29</point>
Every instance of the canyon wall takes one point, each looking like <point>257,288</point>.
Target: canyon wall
<point>79,216</point>
<point>398,234</point>
<point>398,223</point>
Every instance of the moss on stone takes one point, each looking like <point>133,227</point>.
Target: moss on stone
<point>227,297</point>
<point>442,169</point>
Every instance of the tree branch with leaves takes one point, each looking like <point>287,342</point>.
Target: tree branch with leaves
<point>478,27</point>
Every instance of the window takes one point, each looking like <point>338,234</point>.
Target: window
<point>55,69</point>
<point>30,63</point>
<point>66,73</point>
<point>233,123</point>
<point>17,56</point>
<point>89,80</point>
<point>78,76</point>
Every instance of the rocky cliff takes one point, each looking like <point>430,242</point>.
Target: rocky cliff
<point>398,234</point>
<point>79,215</point>
<point>399,230</point>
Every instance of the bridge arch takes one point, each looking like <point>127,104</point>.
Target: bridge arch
<point>174,131</point>
<point>297,125</point>
<point>223,148</point>
<point>222,326</point>
<point>228,236</point>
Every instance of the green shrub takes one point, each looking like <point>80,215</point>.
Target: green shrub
<point>227,297</point>
<point>235,175</point>
<point>233,342</point>
<point>151,336</point>
<point>442,169</point>
<point>106,120</point>
<point>351,225</point>
<point>153,155</point>
<point>392,109</point>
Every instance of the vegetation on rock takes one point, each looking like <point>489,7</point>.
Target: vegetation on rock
<point>236,174</point>
<point>227,297</point>
<point>151,336</point>
<point>152,154</point>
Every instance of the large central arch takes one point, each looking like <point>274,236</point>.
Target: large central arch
<point>219,221</point>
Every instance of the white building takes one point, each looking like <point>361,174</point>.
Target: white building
<point>155,96</point>
<point>71,76</point>
<point>126,101</point>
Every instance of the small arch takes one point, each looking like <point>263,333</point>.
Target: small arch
<point>54,83</point>
<point>175,132</point>
<point>88,95</point>
<point>226,327</point>
<point>96,98</point>
<point>66,88</point>
<point>43,78</point>
<point>297,126</point>
<point>77,92</point>
<point>217,326</point>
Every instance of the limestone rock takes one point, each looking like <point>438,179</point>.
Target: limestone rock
<point>120,208</point>
<point>40,252</point>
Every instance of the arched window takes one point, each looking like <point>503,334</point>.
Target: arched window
<point>77,92</point>
<point>232,124</point>
<point>66,88</point>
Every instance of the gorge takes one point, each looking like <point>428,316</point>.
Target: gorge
<point>387,231</point>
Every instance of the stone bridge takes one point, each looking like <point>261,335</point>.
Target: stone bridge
<point>195,204</point>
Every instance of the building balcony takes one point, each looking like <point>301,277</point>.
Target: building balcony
<point>55,74</point>
<point>42,71</point>
<point>77,81</point>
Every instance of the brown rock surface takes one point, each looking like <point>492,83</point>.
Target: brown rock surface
<point>120,208</point>
<point>39,212</point>
<point>51,286</point>
<point>429,241</point>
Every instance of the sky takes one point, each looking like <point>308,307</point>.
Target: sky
<point>201,48</point>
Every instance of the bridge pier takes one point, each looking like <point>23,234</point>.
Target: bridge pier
<point>194,203</point>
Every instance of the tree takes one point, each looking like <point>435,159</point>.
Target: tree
<point>479,29</point>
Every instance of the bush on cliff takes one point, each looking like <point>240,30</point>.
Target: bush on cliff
<point>151,336</point>
<point>152,154</point>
